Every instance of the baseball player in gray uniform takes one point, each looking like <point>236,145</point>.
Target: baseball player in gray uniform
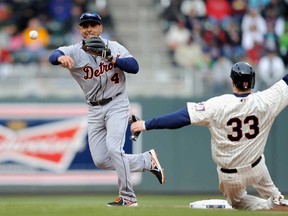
<point>239,124</point>
<point>102,79</point>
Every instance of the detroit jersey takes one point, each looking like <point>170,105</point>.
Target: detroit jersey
<point>98,78</point>
<point>239,126</point>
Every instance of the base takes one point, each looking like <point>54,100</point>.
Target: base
<point>210,204</point>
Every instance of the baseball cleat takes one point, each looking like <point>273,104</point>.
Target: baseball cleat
<point>279,203</point>
<point>156,168</point>
<point>119,201</point>
<point>284,202</point>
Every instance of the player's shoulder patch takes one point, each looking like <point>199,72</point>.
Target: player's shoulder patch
<point>198,107</point>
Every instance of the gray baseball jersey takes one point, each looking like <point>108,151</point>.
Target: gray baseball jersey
<point>97,78</point>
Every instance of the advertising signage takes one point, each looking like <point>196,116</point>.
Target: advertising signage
<point>47,144</point>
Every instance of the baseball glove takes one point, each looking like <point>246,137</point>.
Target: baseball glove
<point>96,46</point>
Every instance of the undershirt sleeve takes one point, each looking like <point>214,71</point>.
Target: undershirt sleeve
<point>53,58</point>
<point>173,120</point>
<point>128,64</point>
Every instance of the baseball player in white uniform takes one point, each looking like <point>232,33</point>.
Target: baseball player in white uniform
<point>102,80</point>
<point>239,124</point>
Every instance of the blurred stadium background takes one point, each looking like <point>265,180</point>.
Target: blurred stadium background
<point>185,49</point>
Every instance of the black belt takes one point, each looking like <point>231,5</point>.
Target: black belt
<point>103,101</point>
<point>235,170</point>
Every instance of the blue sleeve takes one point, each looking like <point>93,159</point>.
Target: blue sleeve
<point>53,58</point>
<point>173,120</point>
<point>129,64</point>
<point>285,78</point>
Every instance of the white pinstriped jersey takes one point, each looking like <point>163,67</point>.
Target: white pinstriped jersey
<point>97,77</point>
<point>239,126</point>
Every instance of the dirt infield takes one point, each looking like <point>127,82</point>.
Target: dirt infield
<point>280,209</point>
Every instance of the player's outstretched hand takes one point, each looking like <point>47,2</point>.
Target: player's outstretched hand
<point>66,61</point>
<point>137,126</point>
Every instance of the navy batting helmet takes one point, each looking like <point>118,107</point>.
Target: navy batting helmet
<point>243,75</point>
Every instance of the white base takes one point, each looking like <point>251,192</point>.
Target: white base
<point>210,204</point>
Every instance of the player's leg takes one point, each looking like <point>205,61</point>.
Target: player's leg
<point>147,161</point>
<point>266,188</point>
<point>233,186</point>
<point>139,162</point>
<point>98,149</point>
<point>250,202</point>
<point>97,142</point>
<point>97,139</point>
<point>116,118</point>
<point>97,133</point>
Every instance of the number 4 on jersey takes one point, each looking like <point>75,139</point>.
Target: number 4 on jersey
<point>115,78</point>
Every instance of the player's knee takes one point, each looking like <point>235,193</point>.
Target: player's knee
<point>99,162</point>
<point>114,153</point>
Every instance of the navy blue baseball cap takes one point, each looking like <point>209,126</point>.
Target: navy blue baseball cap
<point>91,17</point>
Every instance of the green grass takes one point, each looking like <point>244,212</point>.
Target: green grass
<point>95,205</point>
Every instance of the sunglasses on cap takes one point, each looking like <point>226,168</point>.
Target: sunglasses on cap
<point>92,17</point>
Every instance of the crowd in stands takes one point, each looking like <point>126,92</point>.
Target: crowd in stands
<point>202,36</point>
<point>55,20</point>
<point>209,36</point>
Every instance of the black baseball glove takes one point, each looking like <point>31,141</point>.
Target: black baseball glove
<point>97,47</point>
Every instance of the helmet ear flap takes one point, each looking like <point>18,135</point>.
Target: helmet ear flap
<point>253,81</point>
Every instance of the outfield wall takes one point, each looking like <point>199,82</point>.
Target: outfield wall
<point>184,153</point>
